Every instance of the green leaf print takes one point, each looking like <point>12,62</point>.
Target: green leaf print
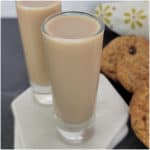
<point>127,21</point>
<point>107,21</point>
<point>97,12</point>
<point>133,25</point>
<point>126,14</point>
<point>133,10</point>
<point>139,23</point>
<point>109,14</point>
<point>142,17</point>
<point>100,7</point>
<point>106,8</point>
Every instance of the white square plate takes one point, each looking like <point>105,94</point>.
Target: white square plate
<point>35,128</point>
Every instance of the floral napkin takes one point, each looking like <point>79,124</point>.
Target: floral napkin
<point>125,17</point>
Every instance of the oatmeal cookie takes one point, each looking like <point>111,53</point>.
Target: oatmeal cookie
<point>133,64</point>
<point>139,111</point>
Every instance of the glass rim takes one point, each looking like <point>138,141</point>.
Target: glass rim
<point>69,13</point>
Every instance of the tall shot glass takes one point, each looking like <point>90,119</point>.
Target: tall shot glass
<point>30,17</point>
<point>73,44</point>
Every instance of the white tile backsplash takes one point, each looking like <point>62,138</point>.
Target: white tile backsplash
<point>8,8</point>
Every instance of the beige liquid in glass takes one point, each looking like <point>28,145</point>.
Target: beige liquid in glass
<point>31,14</point>
<point>73,48</point>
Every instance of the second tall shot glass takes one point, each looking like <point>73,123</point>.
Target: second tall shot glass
<point>30,16</point>
<point>73,44</point>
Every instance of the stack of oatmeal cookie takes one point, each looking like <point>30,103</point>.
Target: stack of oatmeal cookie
<point>126,60</point>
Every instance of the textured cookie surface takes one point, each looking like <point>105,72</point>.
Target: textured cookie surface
<point>132,67</point>
<point>139,110</point>
<point>112,52</point>
<point>126,59</point>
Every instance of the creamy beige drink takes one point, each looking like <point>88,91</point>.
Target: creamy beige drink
<point>74,61</point>
<point>73,43</point>
<point>31,14</point>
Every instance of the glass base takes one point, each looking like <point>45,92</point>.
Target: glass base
<point>42,94</point>
<point>75,133</point>
<point>44,99</point>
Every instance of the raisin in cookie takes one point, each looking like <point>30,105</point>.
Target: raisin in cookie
<point>112,52</point>
<point>139,110</point>
<point>133,64</point>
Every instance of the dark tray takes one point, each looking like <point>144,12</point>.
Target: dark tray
<point>14,81</point>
